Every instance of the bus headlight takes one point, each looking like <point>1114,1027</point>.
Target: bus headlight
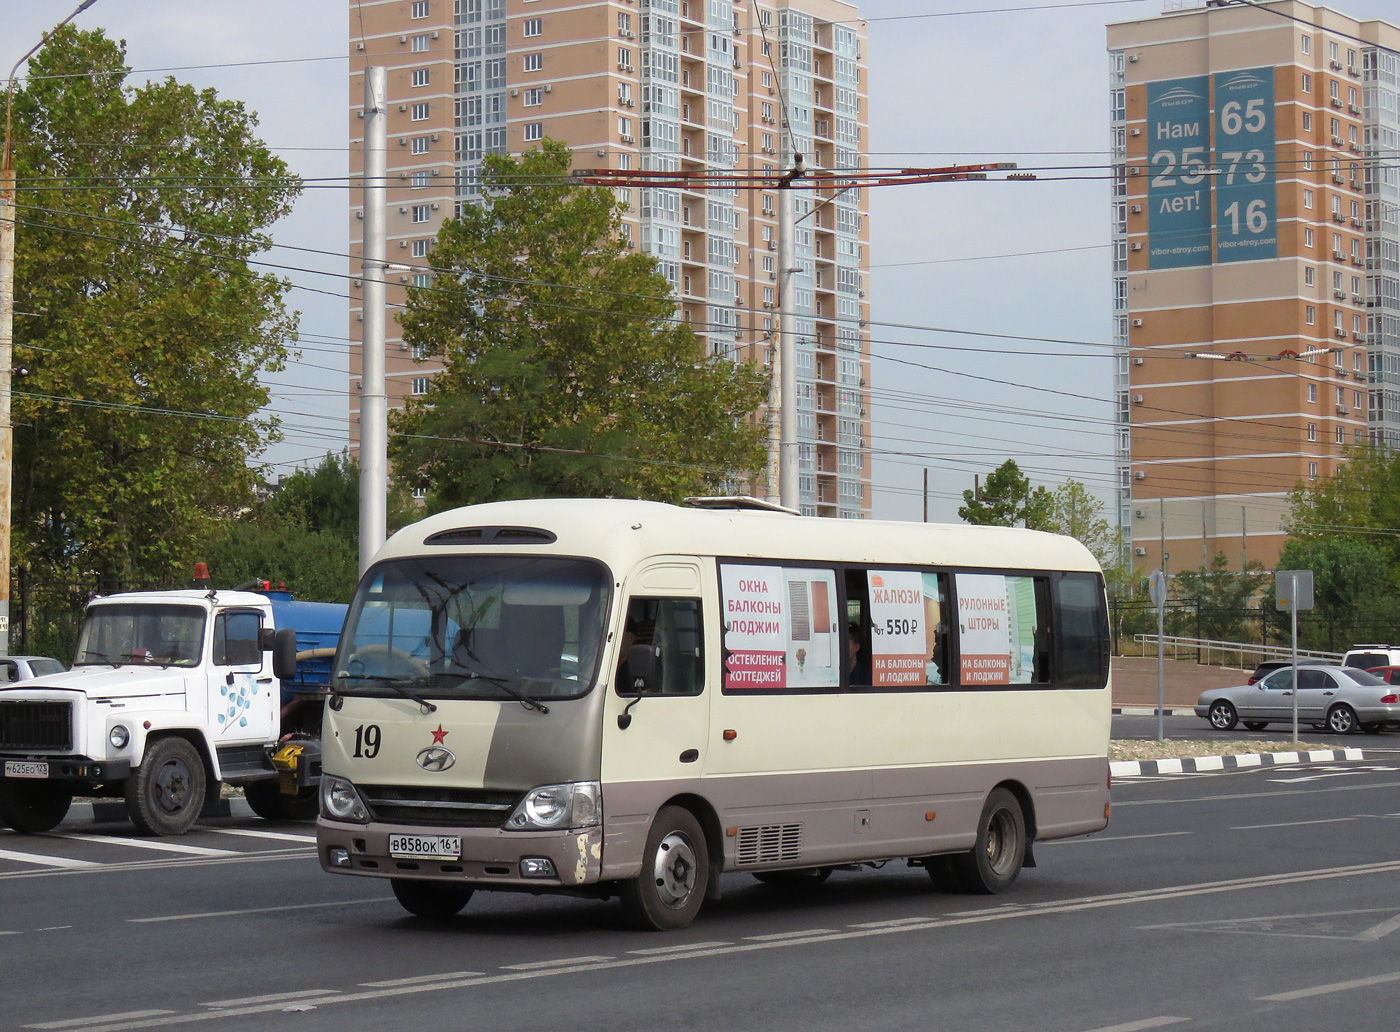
<point>576,804</point>
<point>340,801</point>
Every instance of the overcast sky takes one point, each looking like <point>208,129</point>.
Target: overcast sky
<point>950,81</point>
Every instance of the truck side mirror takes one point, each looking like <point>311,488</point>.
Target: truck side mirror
<point>284,654</point>
<point>643,668</point>
<point>267,638</point>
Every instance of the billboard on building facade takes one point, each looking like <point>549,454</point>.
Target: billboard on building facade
<point>1246,208</point>
<point>1178,191</point>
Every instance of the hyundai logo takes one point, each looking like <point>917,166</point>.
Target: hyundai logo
<point>436,758</point>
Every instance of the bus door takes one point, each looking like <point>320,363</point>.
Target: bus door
<point>655,723</point>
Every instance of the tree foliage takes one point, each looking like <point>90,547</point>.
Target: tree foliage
<point>565,371</point>
<point>144,328</point>
<point>1222,596</point>
<point>1006,499</point>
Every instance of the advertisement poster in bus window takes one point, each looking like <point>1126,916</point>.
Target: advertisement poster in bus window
<point>905,612</point>
<point>1246,226</point>
<point>1178,189</point>
<point>996,628</point>
<point>780,627</point>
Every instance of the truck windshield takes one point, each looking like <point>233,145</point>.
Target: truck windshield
<point>475,627</point>
<point>142,634</point>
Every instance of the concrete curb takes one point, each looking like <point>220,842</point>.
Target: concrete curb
<point>1241,761</point>
<point>111,810</point>
<point>1151,711</point>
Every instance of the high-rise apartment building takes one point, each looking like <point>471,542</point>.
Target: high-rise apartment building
<point>681,86</point>
<point>1256,233</point>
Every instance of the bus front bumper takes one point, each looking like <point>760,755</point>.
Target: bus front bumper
<point>488,858</point>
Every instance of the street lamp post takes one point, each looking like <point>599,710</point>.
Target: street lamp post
<point>8,221</point>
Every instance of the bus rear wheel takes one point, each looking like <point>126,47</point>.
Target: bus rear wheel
<point>994,863</point>
<point>434,901</point>
<point>675,874</point>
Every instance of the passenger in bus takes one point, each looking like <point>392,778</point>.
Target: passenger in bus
<point>856,667</point>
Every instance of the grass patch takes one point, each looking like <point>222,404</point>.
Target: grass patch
<point>1180,749</point>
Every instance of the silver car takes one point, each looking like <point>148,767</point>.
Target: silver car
<point>1340,699</point>
<point>22,668</point>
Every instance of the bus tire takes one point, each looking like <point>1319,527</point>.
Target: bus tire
<point>268,801</point>
<point>33,806</point>
<point>435,901</point>
<point>943,873</point>
<point>675,874</point>
<point>992,865</point>
<point>164,796</point>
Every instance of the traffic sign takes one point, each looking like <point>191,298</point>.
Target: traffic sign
<point>1293,590</point>
<point>1157,589</point>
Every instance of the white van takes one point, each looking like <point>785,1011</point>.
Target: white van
<point>1368,657</point>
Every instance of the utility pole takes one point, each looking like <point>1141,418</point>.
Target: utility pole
<point>374,405</point>
<point>788,493</point>
<point>9,219</point>
<point>925,494</point>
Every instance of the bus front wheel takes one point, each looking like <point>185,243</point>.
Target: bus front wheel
<point>675,874</point>
<point>992,865</point>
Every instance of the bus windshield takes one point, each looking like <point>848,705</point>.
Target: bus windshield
<point>475,627</point>
<point>160,635</point>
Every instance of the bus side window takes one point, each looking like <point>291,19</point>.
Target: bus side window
<point>857,667</point>
<point>1081,631</point>
<point>675,626</point>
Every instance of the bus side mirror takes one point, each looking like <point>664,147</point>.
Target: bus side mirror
<point>284,654</point>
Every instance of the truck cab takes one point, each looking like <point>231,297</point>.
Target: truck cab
<point>171,694</point>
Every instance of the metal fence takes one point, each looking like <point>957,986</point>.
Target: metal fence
<point>1226,653</point>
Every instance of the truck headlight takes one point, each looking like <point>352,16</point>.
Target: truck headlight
<point>118,736</point>
<point>576,804</point>
<point>340,801</point>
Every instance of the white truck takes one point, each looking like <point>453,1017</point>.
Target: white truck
<point>171,694</point>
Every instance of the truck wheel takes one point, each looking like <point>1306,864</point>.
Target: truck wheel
<point>435,901</point>
<point>33,806</point>
<point>675,874</point>
<point>994,862</point>
<point>272,804</point>
<point>165,794</point>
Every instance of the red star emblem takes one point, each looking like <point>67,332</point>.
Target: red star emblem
<point>439,735</point>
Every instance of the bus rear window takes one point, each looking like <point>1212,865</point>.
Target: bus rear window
<point>1081,631</point>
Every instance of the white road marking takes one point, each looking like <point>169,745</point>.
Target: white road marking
<point>75,1022</point>
<point>1316,777</point>
<point>160,847</point>
<point>1335,987</point>
<point>776,936</point>
<point>281,836</point>
<point>661,951</point>
<point>11,933</point>
<point>421,979</point>
<point>895,923</point>
<point>1387,868</point>
<point>300,994</point>
<point>1381,930</point>
<point>253,910</point>
<point>1111,838</point>
<point>53,928</point>
<point>46,861</point>
<point>1294,824</point>
<point>542,965</point>
<point>1138,1026</point>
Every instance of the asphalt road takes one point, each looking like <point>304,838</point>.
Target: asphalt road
<point>1266,899</point>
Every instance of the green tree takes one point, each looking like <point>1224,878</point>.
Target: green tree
<point>565,371</point>
<point>1359,502</point>
<point>1353,600</point>
<point>1007,499</point>
<point>144,329</point>
<point>1222,596</point>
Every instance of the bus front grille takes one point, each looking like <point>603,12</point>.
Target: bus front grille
<point>36,725</point>
<point>457,807</point>
<point>769,844</point>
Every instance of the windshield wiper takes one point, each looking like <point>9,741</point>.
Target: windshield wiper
<point>99,657</point>
<point>395,683</point>
<point>528,701</point>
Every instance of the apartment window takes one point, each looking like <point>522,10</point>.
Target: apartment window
<point>420,177</point>
<point>420,145</point>
<point>1312,392</point>
<point>624,57</point>
<point>1334,89</point>
<point>624,94</point>
<point>534,62</point>
<point>1356,399</point>
<point>1312,431</point>
<point>421,213</point>
<point>1307,160</point>
<point>1337,318</point>
<point>1309,240</point>
<point>767,141</point>
<point>418,9</point>
<point>767,80</point>
<point>1307,121</point>
<point>624,23</point>
<point>421,43</point>
<point>1310,316</point>
<point>1312,470</point>
<point>766,110</point>
<point>1337,242</point>
<point>767,48</point>
<point>1351,95</point>
<point>1305,44</point>
<point>1307,198</point>
<point>422,279</point>
<point>624,125</point>
<point>1336,281</point>
<point>1336,131</point>
<point>1355,328</point>
<point>1336,204</point>
<point>420,248</point>
<point>1351,58</point>
<point>417,352</point>
<point>1356,284</point>
<point>1307,83</point>
<point>420,111</point>
<point>534,27</point>
<point>420,385</point>
<point>534,97</point>
<point>624,161</point>
<point>420,77</point>
<point>1309,276</point>
<point>1334,50</point>
<point>534,131</point>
